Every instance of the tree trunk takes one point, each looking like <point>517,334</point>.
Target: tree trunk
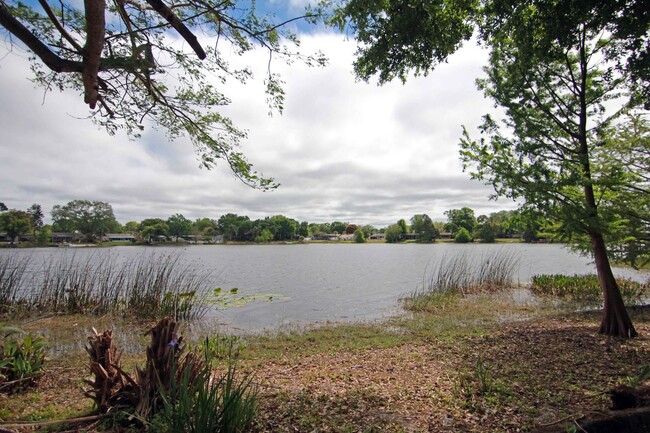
<point>615,322</point>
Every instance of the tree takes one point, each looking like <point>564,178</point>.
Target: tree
<point>404,229</point>
<point>3,207</point>
<point>151,228</point>
<point>93,219</point>
<point>359,236</point>
<point>486,232</point>
<point>229,225</point>
<point>179,226</point>
<point>393,233</point>
<point>131,227</point>
<point>460,218</point>
<point>338,227</point>
<point>37,217</point>
<point>15,223</point>
<point>264,236</point>
<point>401,36</point>
<point>545,58</point>
<point>121,56</point>
<point>423,226</point>
<point>558,95</point>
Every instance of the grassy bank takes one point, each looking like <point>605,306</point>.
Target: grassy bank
<point>487,361</point>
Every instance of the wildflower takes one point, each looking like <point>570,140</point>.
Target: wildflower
<point>173,343</point>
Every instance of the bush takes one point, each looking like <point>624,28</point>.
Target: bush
<point>21,360</point>
<point>359,236</point>
<point>463,236</point>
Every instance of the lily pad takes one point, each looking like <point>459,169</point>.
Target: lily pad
<point>222,299</point>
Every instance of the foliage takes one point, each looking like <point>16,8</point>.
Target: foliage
<point>585,289</point>
<point>123,58</point>
<point>423,226</point>
<point>199,402</point>
<point>359,236</point>
<point>393,233</point>
<point>462,236</point>
<point>15,223</point>
<point>460,218</point>
<point>399,36</point>
<point>93,219</point>
<point>153,228</point>
<point>264,236</point>
<point>178,226</point>
<point>486,232</point>
<point>21,359</point>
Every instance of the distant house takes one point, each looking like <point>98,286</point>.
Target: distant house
<point>411,236</point>
<point>326,237</point>
<point>445,235</point>
<point>346,237</point>
<point>218,239</point>
<point>119,237</point>
<point>66,238</point>
<point>377,237</point>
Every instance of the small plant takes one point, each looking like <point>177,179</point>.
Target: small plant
<point>21,359</point>
<point>635,381</point>
<point>221,347</point>
<point>197,401</point>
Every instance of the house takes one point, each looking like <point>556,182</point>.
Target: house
<point>326,237</point>
<point>66,238</point>
<point>411,236</point>
<point>377,237</point>
<point>118,237</point>
<point>346,237</point>
<point>445,235</point>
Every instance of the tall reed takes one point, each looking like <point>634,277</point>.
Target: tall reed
<point>458,274</point>
<point>151,286</point>
<point>13,269</point>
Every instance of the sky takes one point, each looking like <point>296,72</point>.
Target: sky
<point>342,150</point>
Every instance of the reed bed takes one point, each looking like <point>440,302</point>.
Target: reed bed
<point>151,286</point>
<point>459,275</point>
<point>12,278</point>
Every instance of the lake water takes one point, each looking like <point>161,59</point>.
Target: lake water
<point>332,282</point>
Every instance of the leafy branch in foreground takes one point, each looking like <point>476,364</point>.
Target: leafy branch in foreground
<point>123,56</point>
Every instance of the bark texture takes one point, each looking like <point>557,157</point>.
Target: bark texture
<point>615,322</point>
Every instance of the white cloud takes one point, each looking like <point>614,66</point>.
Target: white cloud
<point>342,150</point>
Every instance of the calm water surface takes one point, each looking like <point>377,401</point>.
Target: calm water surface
<point>334,282</point>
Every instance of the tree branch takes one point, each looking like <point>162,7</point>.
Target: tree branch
<point>180,27</point>
<point>51,60</point>
<point>95,30</point>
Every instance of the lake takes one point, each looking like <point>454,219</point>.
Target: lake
<point>313,283</point>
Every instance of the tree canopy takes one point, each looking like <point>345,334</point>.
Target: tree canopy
<point>123,57</point>
<point>93,219</point>
<point>564,72</point>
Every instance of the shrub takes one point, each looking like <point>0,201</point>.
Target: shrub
<point>359,236</point>
<point>463,236</point>
<point>21,359</point>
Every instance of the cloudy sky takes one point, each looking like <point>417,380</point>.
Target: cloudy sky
<point>341,150</point>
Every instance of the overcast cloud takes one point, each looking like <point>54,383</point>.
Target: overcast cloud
<point>342,150</point>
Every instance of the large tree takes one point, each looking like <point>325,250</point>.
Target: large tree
<point>559,94</point>
<point>123,57</point>
<point>552,70</point>
<point>93,219</point>
<point>179,226</point>
<point>15,223</point>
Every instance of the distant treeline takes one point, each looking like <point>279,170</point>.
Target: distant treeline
<point>93,220</point>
